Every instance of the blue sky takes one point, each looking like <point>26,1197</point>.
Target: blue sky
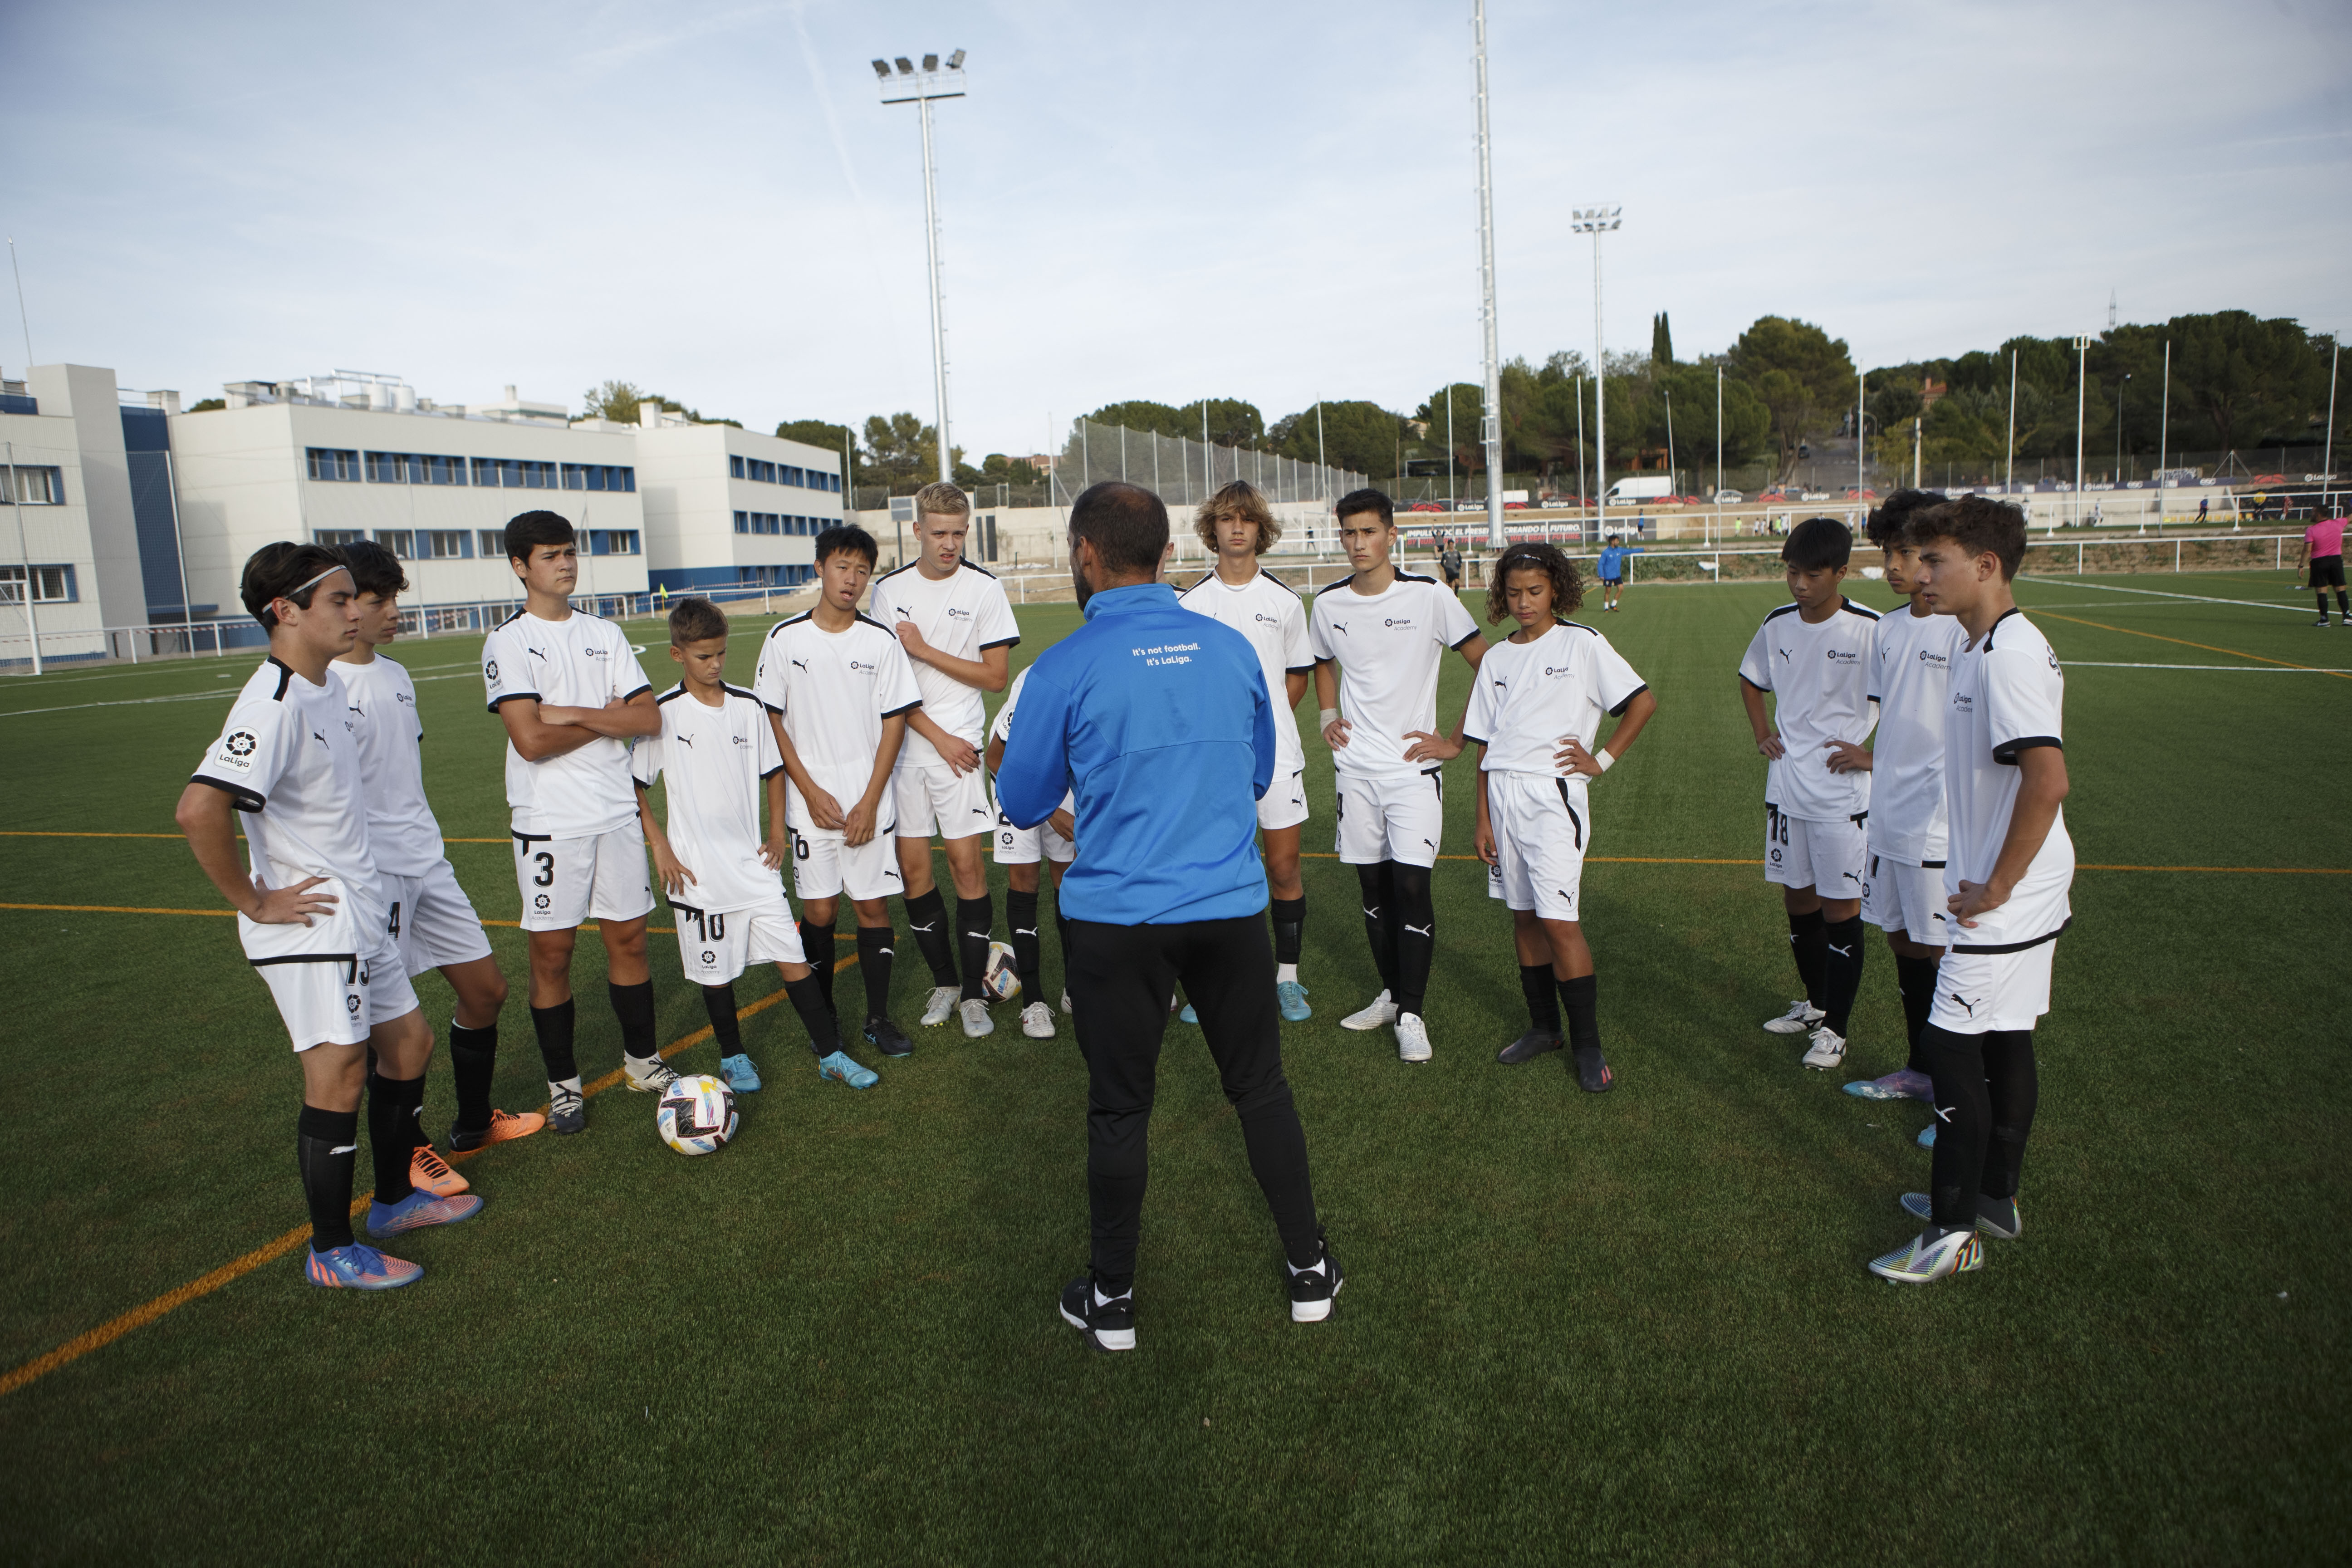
<point>1274,202</point>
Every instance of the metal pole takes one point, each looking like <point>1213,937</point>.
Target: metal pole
<point>2328,462</point>
<point>1322,474</point>
<point>1860,423</point>
<point>1583,497</point>
<point>179,548</point>
<point>2081,391</point>
<point>1668,393</point>
<point>1450,496</point>
<point>1600,404</point>
<point>17,500</point>
<point>1208,455</point>
<point>2118,474</point>
<point>1491,425</point>
<point>1718,430</point>
<point>2009,473</point>
<point>931,255</point>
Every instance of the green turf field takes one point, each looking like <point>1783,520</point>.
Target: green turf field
<point>1629,1327</point>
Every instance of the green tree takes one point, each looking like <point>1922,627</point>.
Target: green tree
<point>1151,418</point>
<point>1799,372</point>
<point>819,432</point>
<point>1661,339</point>
<point>618,401</point>
<point>2252,381</point>
<point>1356,436</point>
<point>902,452</point>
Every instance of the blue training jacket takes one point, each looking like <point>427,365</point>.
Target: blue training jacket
<point>1159,719</point>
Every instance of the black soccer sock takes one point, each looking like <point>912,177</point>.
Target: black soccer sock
<point>927,917</point>
<point>1028,952</point>
<point>473,1061</point>
<point>2342,602</point>
<point>634,1007</point>
<point>874,956</point>
<point>1579,999</point>
<point>2013,1090</point>
<point>1844,950</point>
<point>975,923</point>
<point>1379,926</point>
<point>1963,1106</point>
<point>553,1027</point>
<point>390,1121</point>
<point>326,1148</point>
<point>1289,922</point>
<point>816,943</point>
<point>1416,935</point>
<point>1915,978</point>
<point>1543,1003</point>
<point>825,1034</point>
<point>719,1001</point>
<point>2319,597</point>
<point>1808,942</point>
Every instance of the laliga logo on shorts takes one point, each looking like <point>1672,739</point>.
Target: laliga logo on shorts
<point>352,1006</point>
<point>709,959</point>
<point>541,902</point>
<point>1776,855</point>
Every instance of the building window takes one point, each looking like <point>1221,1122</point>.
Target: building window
<point>444,471</point>
<point>34,487</point>
<point>395,468</point>
<point>448,544</point>
<point>399,541</point>
<point>538,476</point>
<point>795,477</point>
<point>742,522</point>
<point>612,541</point>
<point>598,477</point>
<point>734,467</point>
<point>491,544</point>
<point>764,472</point>
<point>328,463</point>
<point>51,585</point>
<point>338,535</point>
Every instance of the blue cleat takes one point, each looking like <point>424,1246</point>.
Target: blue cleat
<point>740,1074</point>
<point>1927,1136</point>
<point>1900,1084</point>
<point>359,1266</point>
<point>419,1209</point>
<point>1187,1015</point>
<point>838,1064</point>
<point>1293,997</point>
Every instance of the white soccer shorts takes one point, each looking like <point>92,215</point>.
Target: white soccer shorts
<point>1284,804</point>
<point>938,799</point>
<point>1398,816</point>
<point>1902,895</point>
<point>825,865</point>
<point>1977,992</point>
<point>432,921</point>
<point>714,946</point>
<point>566,881</point>
<point>1027,845</point>
<point>333,980</point>
<point>1542,826</point>
<point>1829,856</point>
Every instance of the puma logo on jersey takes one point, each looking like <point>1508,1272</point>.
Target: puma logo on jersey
<point>535,653</point>
<point>1784,655</point>
<point>317,737</point>
<point>1338,626</point>
<point>686,740</point>
<point>801,665</point>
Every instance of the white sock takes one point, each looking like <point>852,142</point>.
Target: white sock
<point>571,1083</point>
<point>1295,1270</point>
<point>1103,1301</point>
<point>1283,972</point>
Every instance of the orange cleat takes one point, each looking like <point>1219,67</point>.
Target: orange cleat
<point>428,1173</point>
<point>504,1125</point>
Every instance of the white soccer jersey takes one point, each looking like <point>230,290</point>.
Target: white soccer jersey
<point>2008,696</point>
<point>1819,678</point>
<point>1911,683</point>
<point>963,615</point>
<point>1388,646</point>
<point>1001,729</point>
<point>1528,696</point>
<point>402,834</point>
<point>716,759</point>
<point>1266,610</point>
<point>288,759</point>
<point>833,691</point>
<point>580,661</point>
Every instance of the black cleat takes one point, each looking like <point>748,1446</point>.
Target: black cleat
<point>1106,1325</point>
<point>1527,1047</point>
<point>1593,1074</point>
<point>885,1037</point>
<point>1312,1290</point>
<point>567,1112</point>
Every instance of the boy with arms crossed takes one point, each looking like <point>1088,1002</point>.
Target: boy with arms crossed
<point>1903,884</point>
<point>1019,850</point>
<point>1815,657</point>
<point>430,918</point>
<point>572,696</point>
<point>1534,711</point>
<point>722,757</point>
<point>1238,526</point>
<point>838,691</point>
<point>309,915</point>
<point>952,619</point>
<point>2008,874</point>
<point>1390,630</point>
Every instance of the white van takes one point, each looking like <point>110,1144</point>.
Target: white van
<point>1641,489</point>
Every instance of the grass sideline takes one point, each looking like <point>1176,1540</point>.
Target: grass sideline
<point>1629,1328</point>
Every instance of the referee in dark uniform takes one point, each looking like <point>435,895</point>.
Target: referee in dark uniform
<point>1160,720</point>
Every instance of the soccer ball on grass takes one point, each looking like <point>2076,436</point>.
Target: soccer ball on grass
<point>696,1115</point>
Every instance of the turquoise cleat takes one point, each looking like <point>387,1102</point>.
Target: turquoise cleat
<point>1187,1015</point>
<point>1927,1136</point>
<point>740,1074</point>
<point>838,1064</point>
<point>359,1266</point>
<point>419,1209</point>
<point>1293,997</point>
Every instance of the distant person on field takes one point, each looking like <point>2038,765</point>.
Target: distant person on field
<point>2323,557</point>
<point>1449,561</point>
<point>1612,570</point>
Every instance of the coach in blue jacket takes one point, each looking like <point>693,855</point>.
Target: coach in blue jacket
<point>1159,719</point>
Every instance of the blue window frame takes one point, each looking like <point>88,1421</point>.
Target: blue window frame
<point>334,464</point>
<point>338,535</point>
<point>742,522</point>
<point>734,467</point>
<point>612,541</point>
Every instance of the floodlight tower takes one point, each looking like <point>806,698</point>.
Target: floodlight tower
<point>1490,432</point>
<point>908,85</point>
<point>1596,222</point>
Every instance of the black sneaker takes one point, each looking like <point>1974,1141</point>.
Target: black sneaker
<point>566,1111</point>
<point>1106,1325</point>
<point>1593,1074</point>
<point>885,1037</point>
<point>1312,1290</point>
<point>2320,622</point>
<point>1527,1047</point>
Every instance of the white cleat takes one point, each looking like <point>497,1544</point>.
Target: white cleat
<point>1412,1039</point>
<point>1801,1018</point>
<point>941,1006</point>
<point>976,1021</point>
<point>1921,1261</point>
<point>649,1076</point>
<point>1829,1049</point>
<point>1037,1021</point>
<point>1376,1014</point>
<point>1065,1003</point>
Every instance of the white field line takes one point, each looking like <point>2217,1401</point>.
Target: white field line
<point>220,695</point>
<point>2161,594</point>
<point>234,667</point>
<point>2254,669</point>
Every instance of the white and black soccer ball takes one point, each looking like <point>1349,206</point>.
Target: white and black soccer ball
<point>696,1115</point>
<point>1000,979</point>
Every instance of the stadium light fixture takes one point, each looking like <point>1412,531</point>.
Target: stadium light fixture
<point>882,70</point>
<point>920,88</point>
<point>1596,222</point>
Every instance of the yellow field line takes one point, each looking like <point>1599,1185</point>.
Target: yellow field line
<point>138,1317</point>
<point>2184,642</point>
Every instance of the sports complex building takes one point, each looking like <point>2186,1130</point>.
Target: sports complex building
<point>132,517</point>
